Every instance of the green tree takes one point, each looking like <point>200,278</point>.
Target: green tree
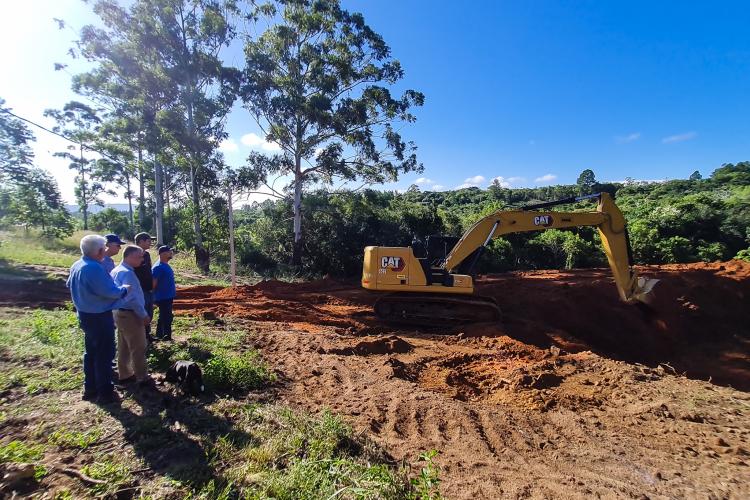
<point>169,50</point>
<point>80,123</point>
<point>30,195</point>
<point>316,83</point>
<point>695,176</point>
<point>111,220</point>
<point>586,182</point>
<point>16,155</point>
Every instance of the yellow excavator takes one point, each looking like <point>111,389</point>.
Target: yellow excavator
<point>434,288</point>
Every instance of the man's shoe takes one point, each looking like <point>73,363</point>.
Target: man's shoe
<point>89,396</point>
<point>126,381</point>
<point>150,338</point>
<point>110,398</point>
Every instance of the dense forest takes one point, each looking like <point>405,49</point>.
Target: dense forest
<point>318,81</point>
<point>674,221</point>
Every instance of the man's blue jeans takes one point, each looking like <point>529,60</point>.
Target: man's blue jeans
<point>99,340</point>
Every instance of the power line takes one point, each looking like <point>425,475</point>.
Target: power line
<point>63,136</point>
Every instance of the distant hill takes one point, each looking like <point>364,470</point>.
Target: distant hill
<point>120,207</point>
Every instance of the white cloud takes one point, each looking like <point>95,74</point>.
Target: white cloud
<point>423,180</point>
<point>546,178</point>
<point>623,139</point>
<point>254,141</point>
<point>679,137</point>
<point>228,146</point>
<point>477,179</point>
<point>437,187</point>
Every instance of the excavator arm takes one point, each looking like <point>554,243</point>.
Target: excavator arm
<point>607,218</point>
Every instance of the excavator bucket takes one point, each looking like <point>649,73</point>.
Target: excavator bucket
<point>643,290</point>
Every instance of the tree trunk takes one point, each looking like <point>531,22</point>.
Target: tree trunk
<point>142,189</point>
<point>159,201</point>
<point>232,264</point>
<point>169,236</point>
<point>297,207</point>
<point>84,199</point>
<point>202,259</point>
<point>130,204</point>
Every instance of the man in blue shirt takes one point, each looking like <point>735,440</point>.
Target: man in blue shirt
<point>112,248</point>
<point>131,319</point>
<point>164,292</point>
<point>95,295</point>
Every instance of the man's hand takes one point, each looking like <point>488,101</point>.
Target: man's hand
<point>146,321</point>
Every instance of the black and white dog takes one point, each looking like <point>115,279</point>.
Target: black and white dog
<point>187,375</point>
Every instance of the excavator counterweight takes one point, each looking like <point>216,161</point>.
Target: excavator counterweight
<point>437,288</point>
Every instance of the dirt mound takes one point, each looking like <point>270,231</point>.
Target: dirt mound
<point>697,323</point>
<point>386,345</point>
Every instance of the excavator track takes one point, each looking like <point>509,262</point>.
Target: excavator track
<point>435,310</point>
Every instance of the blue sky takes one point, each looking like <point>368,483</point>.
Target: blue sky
<point>532,92</point>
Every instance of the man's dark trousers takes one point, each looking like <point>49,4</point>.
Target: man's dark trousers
<point>148,298</point>
<point>164,325</point>
<point>99,341</point>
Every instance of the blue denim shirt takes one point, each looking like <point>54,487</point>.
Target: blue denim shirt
<point>125,275</point>
<point>91,288</point>
<point>108,264</point>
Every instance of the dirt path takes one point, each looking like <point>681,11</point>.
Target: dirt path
<point>573,395</point>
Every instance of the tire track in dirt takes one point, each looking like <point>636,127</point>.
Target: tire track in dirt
<point>511,412</point>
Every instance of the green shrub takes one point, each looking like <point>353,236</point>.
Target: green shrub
<point>743,255</point>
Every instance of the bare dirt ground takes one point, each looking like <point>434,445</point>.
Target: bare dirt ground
<point>573,394</point>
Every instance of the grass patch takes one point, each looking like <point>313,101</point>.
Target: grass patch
<point>298,456</point>
<point>241,372</point>
<point>20,452</point>
<point>32,248</point>
<point>47,348</point>
<point>65,438</point>
<point>115,474</point>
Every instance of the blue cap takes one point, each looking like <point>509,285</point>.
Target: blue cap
<point>165,248</point>
<point>113,238</point>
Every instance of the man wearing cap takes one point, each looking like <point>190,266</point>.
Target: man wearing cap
<point>143,272</point>
<point>164,292</point>
<point>131,319</point>
<point>95,295</point>
<point>112,248</point>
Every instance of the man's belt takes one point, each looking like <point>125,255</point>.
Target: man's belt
<point>128,310</point>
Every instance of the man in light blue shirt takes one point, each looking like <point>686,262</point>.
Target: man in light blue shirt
<point>112,248</point>
<point>95,295</point>
<point>131,319</point>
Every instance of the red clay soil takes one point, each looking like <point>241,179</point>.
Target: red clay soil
<point>698,322</point>
<point>573,394</point>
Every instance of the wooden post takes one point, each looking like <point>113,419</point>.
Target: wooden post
<point>232,265</point>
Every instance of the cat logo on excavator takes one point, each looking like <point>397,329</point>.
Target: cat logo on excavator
<point>543,220</point>
<point>393,263</point>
